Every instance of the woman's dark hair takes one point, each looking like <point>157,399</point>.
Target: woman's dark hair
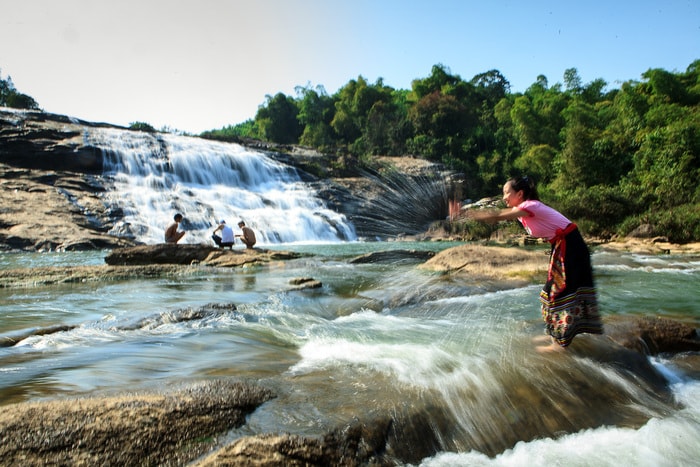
<point>526,185</point>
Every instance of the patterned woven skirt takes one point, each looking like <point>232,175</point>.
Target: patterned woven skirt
<point>569,301</point>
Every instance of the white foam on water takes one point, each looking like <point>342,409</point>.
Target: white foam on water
<point>156,176</point>
<point>412,351</point>
<point>669,441</point>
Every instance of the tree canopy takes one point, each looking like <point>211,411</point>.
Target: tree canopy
<point>10,97</point>
<point>613,158</point>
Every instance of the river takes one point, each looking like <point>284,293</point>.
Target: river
<point>375,338</point>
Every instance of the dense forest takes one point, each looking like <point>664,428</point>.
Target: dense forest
<point>611,159</point>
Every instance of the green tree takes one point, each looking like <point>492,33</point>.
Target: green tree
<point>537,161</point>
<point>142,126</point>
<point>440,80</point>
<point>491,87</point>
<point>581,163</point>
<point>316,111</point>
<point>572,81</point>
<point>10,97</point>
<point>234,133</point>
<point>353,104</point>
<point>438,120</point>
<point>667,165</point>
<point>666,86</point>
<point>277,119</point>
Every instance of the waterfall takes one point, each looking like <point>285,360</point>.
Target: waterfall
<point>151,177</point>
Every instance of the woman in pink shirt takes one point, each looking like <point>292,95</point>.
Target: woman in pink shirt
<point>569,302</point>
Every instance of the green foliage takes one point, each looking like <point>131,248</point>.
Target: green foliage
<point>277,120</point>
<point>141,126</point>
<point>680,224</point>
<point>440,80</point>
<point>598,209</point>
<point>315,115</point>
<point>667,164</point>
<point>666,86</point>
<point>363,114</point>
<point>469,230</point>
<point>10,97</point>
<point>491,86</point>
<point>234,133</point>
<point>537,161</point>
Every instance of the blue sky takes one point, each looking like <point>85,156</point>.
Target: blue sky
<point>204,64</point>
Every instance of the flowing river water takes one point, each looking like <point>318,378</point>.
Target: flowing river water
<point>383,338</point>
<point>375,338</point>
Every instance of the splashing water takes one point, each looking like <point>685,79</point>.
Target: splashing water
<point>154,176</point>
<point>449,361</point>
<point>404,205</point>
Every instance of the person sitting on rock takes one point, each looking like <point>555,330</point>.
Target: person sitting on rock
<point>248,236</point>
<point>226,239</point>
<point>171,233</point>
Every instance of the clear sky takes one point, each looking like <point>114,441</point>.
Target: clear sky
<point>205,64</point>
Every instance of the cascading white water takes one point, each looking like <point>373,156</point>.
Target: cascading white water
<point>155,176</point>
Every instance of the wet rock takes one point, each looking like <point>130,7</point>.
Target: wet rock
<point>45,141</point>
<point>50,182</point>
<point>167,261</point>
<point>170,253</point>
<point>393,256</point>
<point>9,341</point>
<point>354,445</point>
<point>208,311</point>
<point>643,231</point>
<point>164,253</point>
<point>655,335</point>
<point>509,266</point>
<point>173,428</point>
<point>32,277</point>
<point>301,283</point>
<point>38,214</point>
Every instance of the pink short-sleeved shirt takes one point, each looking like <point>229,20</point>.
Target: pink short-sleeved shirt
<point>541,221</point>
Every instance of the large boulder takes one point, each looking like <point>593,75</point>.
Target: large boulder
<point>172,253</point>
<point>163,253</point>
<point>501,266</point>
<point>171,428</point>
<point>53,211</point>
<point>655,335</point>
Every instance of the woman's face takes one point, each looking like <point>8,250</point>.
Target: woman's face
<point>510,197</point>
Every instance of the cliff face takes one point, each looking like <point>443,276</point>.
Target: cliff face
<point>37,140</point>
<point>51,181</point>
<point>50,184</point>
